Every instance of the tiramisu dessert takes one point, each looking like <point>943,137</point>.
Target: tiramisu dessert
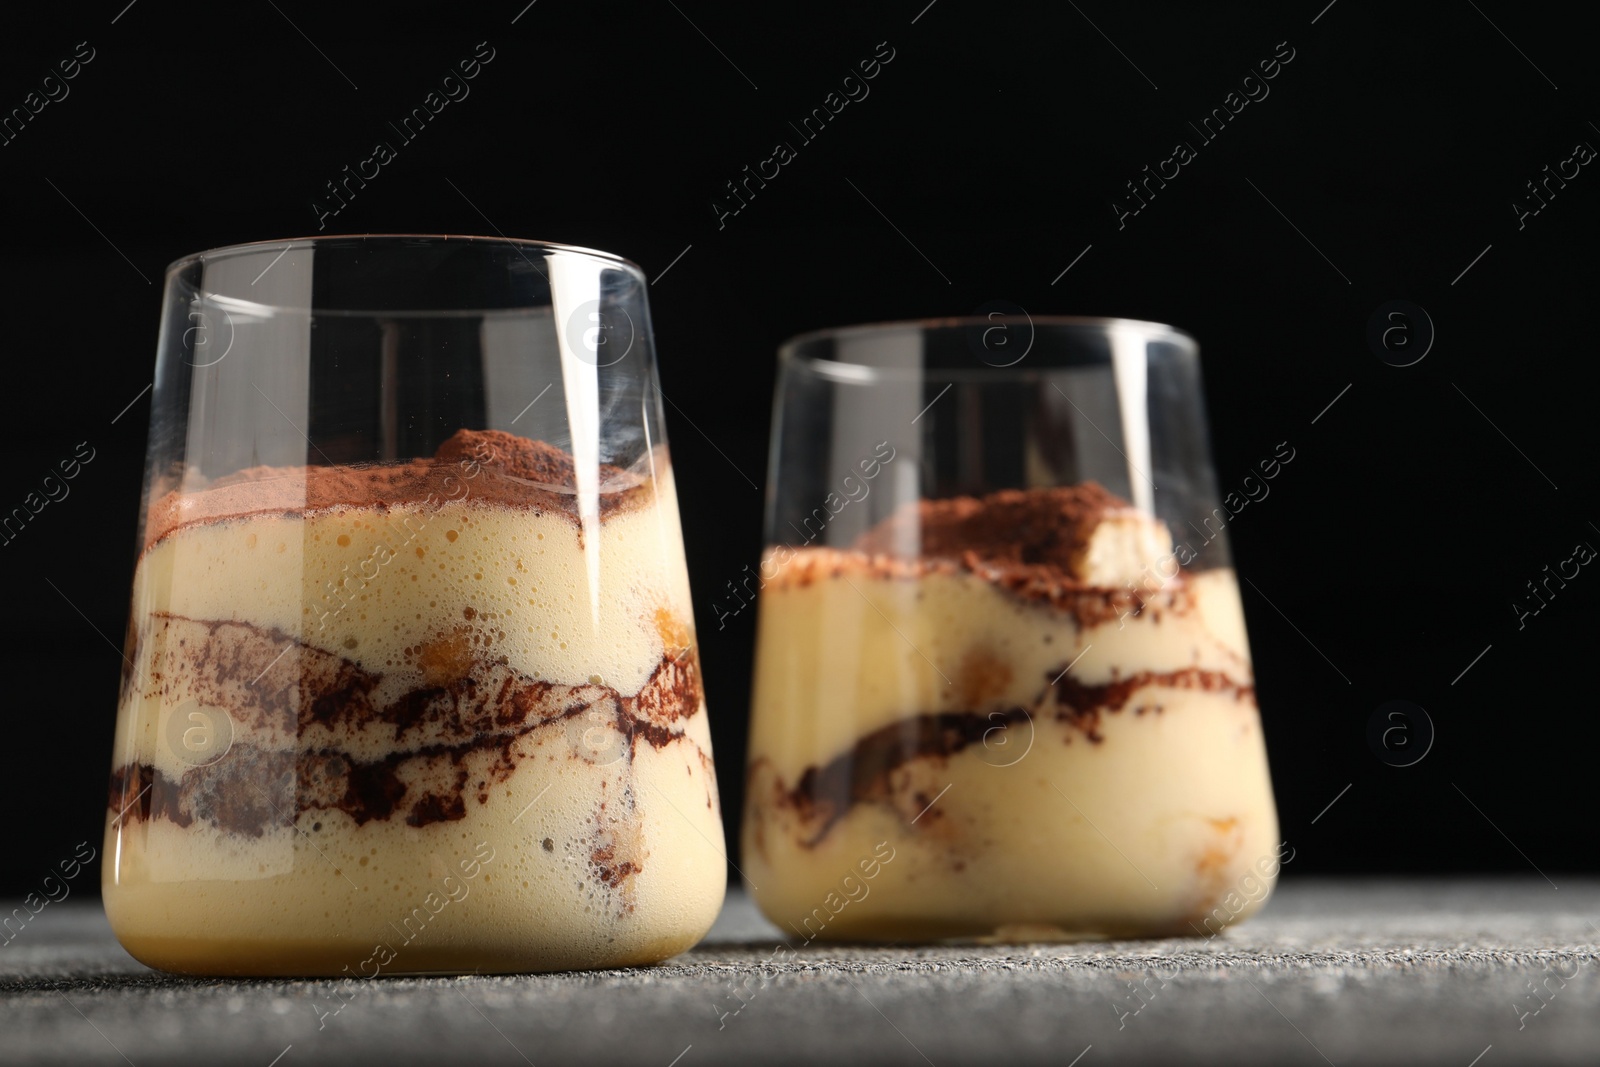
<point>1023,699</point>
<point>442,715</point>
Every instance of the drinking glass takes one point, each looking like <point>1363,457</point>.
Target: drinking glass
<point>1003,687</point>
<point>411,682</point>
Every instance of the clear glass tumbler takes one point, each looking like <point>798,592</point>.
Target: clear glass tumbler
<point>411,680</point>
<point>1003,687</point>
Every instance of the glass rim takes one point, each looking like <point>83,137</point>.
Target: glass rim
<point>548,248</point>
<point>847,370</point>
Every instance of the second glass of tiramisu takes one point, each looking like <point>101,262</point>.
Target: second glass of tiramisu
<point>1003,688</point>
<point>411,681</point>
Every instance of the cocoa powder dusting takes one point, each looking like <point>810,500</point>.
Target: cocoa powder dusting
<point>483,466</point>
<point>1043,528</point>
<point>1025,542</point>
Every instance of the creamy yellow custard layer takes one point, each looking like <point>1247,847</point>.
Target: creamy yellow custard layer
<point>600,847</point>
<point>1036,827</point>
<point>318,901</point>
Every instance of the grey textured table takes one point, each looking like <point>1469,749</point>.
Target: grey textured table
<point>1333,971</point>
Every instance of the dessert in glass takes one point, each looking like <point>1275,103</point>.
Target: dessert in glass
<point>411,680</point>
<point>1003,687</point>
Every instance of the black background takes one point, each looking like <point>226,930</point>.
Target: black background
<point>984,161</point>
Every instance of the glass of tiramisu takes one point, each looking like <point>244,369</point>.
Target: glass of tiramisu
<point>411,682</point>
<point>1003,688</point>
